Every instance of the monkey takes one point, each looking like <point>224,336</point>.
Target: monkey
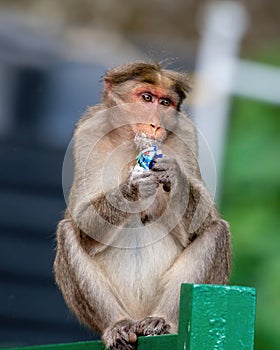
<point>129,238</point>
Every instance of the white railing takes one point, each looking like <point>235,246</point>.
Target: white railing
<point>219,74</point>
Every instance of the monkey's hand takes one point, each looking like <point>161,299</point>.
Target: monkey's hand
<point>168,172</point>
<point>152,326</point>
<point>145,183</point>
<point>122,336</point>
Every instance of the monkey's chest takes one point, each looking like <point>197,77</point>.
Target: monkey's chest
<point>135,271</point>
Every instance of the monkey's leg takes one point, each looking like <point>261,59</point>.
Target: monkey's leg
<point>205,260</point>
<point>87,291</point>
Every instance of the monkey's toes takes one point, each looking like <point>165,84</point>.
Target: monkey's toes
<point>152,326</point>
<point>122,336</point>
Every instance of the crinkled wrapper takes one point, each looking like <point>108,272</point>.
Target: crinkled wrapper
<point>146,158</point>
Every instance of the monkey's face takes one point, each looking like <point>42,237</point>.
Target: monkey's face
<point>156,108</point>
<point>153,110</point>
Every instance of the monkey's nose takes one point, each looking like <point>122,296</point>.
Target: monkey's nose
<point>154,126</point>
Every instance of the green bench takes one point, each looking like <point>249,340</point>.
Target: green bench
<point>212,317</point>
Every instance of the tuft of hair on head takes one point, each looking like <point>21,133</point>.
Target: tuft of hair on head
<point>148,73</point>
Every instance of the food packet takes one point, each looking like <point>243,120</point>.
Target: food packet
<point>146,158</point>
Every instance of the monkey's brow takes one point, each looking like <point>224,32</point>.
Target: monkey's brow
<point>148,80</point>
<point>153,81</point>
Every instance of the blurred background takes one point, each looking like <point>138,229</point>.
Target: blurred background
<point>52,57</point>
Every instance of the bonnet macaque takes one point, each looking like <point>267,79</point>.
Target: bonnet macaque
<point>131,236</point>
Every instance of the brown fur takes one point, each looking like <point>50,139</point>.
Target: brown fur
<point>121,259</point>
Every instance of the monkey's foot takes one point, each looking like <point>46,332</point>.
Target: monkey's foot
<point>152,326</point>
<point>122,336</point>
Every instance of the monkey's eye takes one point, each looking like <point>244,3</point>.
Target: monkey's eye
<point>165,102</point>
<point>147,97</point>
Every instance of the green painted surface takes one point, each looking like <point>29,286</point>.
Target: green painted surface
<point>168,342</point>
<point>160,342</point>
<point>216,317</point>
<point>88,345</point>
<point>211,317</point>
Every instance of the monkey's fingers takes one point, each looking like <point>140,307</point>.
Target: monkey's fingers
<point>152,326</point>
<point>138,178</point>
<point>164,164</point>
<point>124,339</point>
<point>122,344</point>
<point>132,337</point>
<point>147,188</point>
<point>121,336</point>
<point>162,327</point>
<point>144,175</point>
<point>167,186</point>
<point>164,179</point>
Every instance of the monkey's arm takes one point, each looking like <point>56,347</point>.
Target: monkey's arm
<point>190,204</point>
<point>102,215</point>
<point>104,195</point>
<point>99,215</point>
<point>84,286</point>
<point>205,237</point>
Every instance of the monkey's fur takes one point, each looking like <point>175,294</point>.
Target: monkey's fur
<point>128,239</point>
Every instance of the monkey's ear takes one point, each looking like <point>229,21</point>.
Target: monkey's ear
<point>108,84</point>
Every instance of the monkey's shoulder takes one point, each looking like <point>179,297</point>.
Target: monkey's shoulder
<point>90,113</point>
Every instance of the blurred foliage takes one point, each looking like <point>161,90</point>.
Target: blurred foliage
<point>251,202</point>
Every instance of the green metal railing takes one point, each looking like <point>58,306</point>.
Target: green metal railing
<point>212,317</point>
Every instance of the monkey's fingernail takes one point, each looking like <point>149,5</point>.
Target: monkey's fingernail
<point>132,338</point>
<point>167,187</point>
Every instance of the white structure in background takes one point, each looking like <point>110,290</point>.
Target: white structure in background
<point>219,74</point>
<point>256,80</point>
<point>223,28</point>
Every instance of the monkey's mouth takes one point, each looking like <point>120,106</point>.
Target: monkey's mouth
<point>142,141</point>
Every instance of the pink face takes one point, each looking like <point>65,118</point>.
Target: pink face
<point>156,105</point>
